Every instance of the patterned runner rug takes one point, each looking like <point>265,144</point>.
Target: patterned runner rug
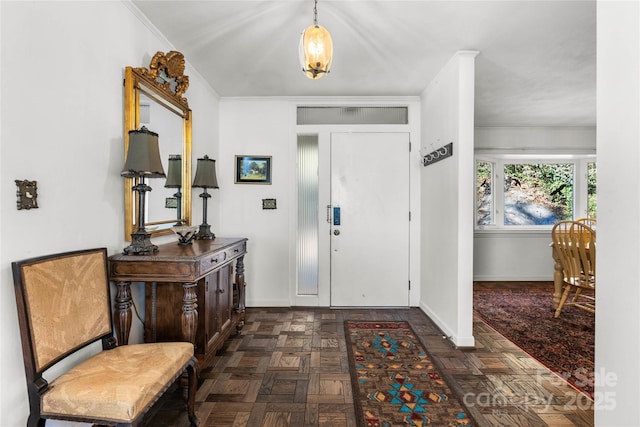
<point>394,381</point>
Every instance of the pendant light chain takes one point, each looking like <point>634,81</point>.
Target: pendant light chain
<point>315,13</point>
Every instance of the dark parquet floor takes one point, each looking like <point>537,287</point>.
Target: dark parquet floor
<point>288,367</point>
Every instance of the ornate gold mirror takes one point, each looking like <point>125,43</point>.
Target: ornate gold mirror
<point>153,98</point>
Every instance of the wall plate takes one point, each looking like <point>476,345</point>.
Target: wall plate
<point>269,204</point>
<point>27,194</point>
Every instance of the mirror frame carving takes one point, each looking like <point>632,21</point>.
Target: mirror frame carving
<point>164,82</point>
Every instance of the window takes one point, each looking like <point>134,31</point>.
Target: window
<point>484,198</point>
<point>591,190</point>
<point>520,192</point>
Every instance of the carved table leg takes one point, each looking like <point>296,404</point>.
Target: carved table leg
<point>189,325</point>
<point>189,312</point>
<point>122,312</point>
<point>240,287</point>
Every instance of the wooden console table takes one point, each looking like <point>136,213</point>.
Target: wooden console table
<point>191,293</point>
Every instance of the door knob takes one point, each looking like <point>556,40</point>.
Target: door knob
<point>336,232</point>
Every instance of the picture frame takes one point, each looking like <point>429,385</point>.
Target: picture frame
<point>253,169</point>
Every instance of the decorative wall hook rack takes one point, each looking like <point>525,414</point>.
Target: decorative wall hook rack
<point>438,154</point>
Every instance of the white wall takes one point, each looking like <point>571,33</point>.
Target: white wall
<point>512,256</point>
<point>447,200</point>
<point>258,127</point>
<point>502,255</point>
<point>560,139</point>
<point>62,124</point>
<point>618,296</point>
<point>267,126</point>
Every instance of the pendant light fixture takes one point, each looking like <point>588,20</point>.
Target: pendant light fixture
<point>316,48</point>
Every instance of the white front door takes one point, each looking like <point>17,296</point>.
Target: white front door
<point>369,218</point>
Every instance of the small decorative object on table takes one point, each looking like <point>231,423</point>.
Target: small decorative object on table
<point>186,233</point>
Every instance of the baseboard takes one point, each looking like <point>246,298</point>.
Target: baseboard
<point>547,278</point>
<point>447,332</point>
<point>268,303</point>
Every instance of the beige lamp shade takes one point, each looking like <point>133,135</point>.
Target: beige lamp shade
<point>143,155</point>
<point>205,173</point>
<point>316,51</point>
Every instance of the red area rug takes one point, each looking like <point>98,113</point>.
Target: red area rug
<point>394,381</point>
<point>523,314</point>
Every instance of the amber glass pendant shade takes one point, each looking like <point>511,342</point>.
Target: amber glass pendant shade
<point>316,51</point>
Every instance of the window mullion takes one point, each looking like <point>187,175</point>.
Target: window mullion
<point>498,193</point>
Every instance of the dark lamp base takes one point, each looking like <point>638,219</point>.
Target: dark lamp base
<point>140,244</point>
<point>205,232</point>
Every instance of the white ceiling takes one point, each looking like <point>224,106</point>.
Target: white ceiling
<point>536,66</point>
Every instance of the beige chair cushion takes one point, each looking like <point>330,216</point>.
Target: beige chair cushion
<point>118,384</point>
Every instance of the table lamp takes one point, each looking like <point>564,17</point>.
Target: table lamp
<point>143,161</point>
<point>205,178</point>
<point>174,180</point>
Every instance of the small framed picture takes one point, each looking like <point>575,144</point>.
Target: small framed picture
<point>253,169</point>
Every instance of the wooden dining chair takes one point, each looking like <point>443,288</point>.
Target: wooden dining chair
<point>64,306</point>
<point>575,245</point>
<point>591,222</point>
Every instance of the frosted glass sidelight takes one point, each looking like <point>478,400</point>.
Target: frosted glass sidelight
<point>307,245</point>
